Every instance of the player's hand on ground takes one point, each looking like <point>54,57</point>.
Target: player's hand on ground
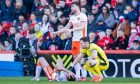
<point>71,74</point>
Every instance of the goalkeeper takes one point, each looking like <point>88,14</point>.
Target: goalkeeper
<point>92,58</point>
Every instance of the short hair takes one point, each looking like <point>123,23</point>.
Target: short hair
<point>70,78</point>
<point>85,39</point>
<point>76,3</point>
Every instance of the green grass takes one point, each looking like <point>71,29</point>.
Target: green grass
<point>43,80</point>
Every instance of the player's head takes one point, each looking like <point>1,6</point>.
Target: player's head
<point>70,78</point>
<point>75,6</point>
<point>84,42</point>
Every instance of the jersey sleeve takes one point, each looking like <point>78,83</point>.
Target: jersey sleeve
<point>83,17</point>
<point>83,51</point>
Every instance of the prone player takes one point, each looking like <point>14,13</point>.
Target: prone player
<point>59,73</point>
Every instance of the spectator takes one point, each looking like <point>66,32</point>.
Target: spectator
<point>67,43</point>
<point>32,21</point>
<point>12,33</point>
<point>109,33</point>
<point>121,41</point>
<point>104,41</point>
<point>120,7</point>
<point>63,7</point>
<point>136,45</point>
<point>54,21</point>
<point>32,39</point>
<point>38,32</point>
<point>129,12</point>
<point>54,41</point>
<point>7,45</point>
<point>84,3</point>
<point>84,10</point>
<point>47,11</point>
<point>132,37</point>
<point>15,45</point>
<point>19,22</point>
<point>20,9</point>
<point>3,34</point>
<point>45,24</point>
<point>40,9</point>
<point>93,37</point>
<point>107,17</point>
<point>91,23</point>
<point>7,11</point>
<point>25,29</point>
<point>1,46</point>
<point>100,26</point>
<point>63,20</point>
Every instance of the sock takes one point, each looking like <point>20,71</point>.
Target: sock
<point>49,71</point>
<point>88,68</point>
<point>84,72</point>
<point>77,68</point>
<point>38,70</point>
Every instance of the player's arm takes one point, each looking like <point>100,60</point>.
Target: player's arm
<point>81,26</point>
<point>68,26</point>
<point>78,59</point>
<point>60,68</point>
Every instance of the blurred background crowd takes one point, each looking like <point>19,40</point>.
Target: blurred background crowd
<point>112,24</point>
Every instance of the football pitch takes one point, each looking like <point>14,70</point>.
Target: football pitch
<point>43,80</point>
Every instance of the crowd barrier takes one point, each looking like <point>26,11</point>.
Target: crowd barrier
<point>123,63</point>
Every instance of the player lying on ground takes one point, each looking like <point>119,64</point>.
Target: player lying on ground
<point>59,73</point>
<point>96,60</point>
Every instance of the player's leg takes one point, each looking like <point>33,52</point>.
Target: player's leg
<point>83,74</point>
<point>93,67</point>
<point>37,71</point>
<point>46,67</point>
<point>75,53</point>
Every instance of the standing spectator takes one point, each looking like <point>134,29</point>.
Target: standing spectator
<point>107,17</point>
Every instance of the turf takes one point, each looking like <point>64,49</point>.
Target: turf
<point>43,80</point>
